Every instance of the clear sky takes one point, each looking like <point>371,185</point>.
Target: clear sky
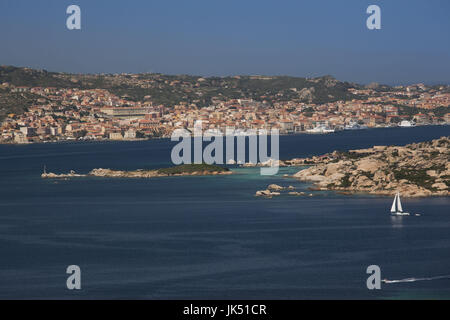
<point>212,37</point>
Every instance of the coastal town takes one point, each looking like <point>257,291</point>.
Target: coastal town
<point>70,113</point>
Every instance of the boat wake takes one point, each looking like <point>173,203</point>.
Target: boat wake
<point>416,279</point>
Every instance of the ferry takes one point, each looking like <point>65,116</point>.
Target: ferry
<point>354,126</point>
<point>320,129</point>
<point>406,124</point>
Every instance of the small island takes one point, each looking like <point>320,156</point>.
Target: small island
<point>180,170</point>
<point>415,170</point>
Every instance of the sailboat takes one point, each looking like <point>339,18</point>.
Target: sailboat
<point>396,208</point>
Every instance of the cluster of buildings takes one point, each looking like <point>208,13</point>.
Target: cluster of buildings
<point>74,114</point>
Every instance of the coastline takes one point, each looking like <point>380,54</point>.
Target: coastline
<point>177,171</point>
<point>209,214</point>
<point>302,133</point>
<point>415,170</point>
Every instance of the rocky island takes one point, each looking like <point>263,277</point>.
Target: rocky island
<point>181,170</point>
<point>415,170</point>
<point>275,190</point>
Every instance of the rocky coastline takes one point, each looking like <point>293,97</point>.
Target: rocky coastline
<point>183,170</point>
<point>274,190</point>
<point>415,170</point>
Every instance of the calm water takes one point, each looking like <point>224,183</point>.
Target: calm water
<point>209,237</point>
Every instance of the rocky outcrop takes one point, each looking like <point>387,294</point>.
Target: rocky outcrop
<point>109,173</point>
<point>295,193</point>
<point>307,94</point>
<point>268,163</point>
<point>276,190</point>
<point>272,190</point>
<point>275,187</point>
<point>415,170</point>
<point>150,173</point>
<point>51,175</point>
<point>266,193</point>
<point>124,174</point>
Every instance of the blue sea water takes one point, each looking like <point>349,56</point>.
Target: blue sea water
<point>209,237</point>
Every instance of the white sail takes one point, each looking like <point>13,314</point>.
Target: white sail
<point>399,204</point>
<point>393,204</point>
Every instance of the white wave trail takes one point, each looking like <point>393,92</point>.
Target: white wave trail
<point>416,279</point>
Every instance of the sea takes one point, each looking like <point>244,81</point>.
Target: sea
<point>209,237</point>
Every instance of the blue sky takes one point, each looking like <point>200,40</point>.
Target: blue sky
<point>210,37</point>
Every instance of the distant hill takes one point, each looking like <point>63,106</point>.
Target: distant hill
<point>173,89</point>
<point>32,78</point>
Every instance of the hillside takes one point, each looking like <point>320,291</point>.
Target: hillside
<point>170,90</point>
<point>14,102</point>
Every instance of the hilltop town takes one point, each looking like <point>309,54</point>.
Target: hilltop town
<point>40,106</point>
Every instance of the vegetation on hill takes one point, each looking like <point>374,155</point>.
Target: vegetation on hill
<point>15,103</point>
<point>170,90</point>
<point>189,168</point>
<point>34,78</point>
